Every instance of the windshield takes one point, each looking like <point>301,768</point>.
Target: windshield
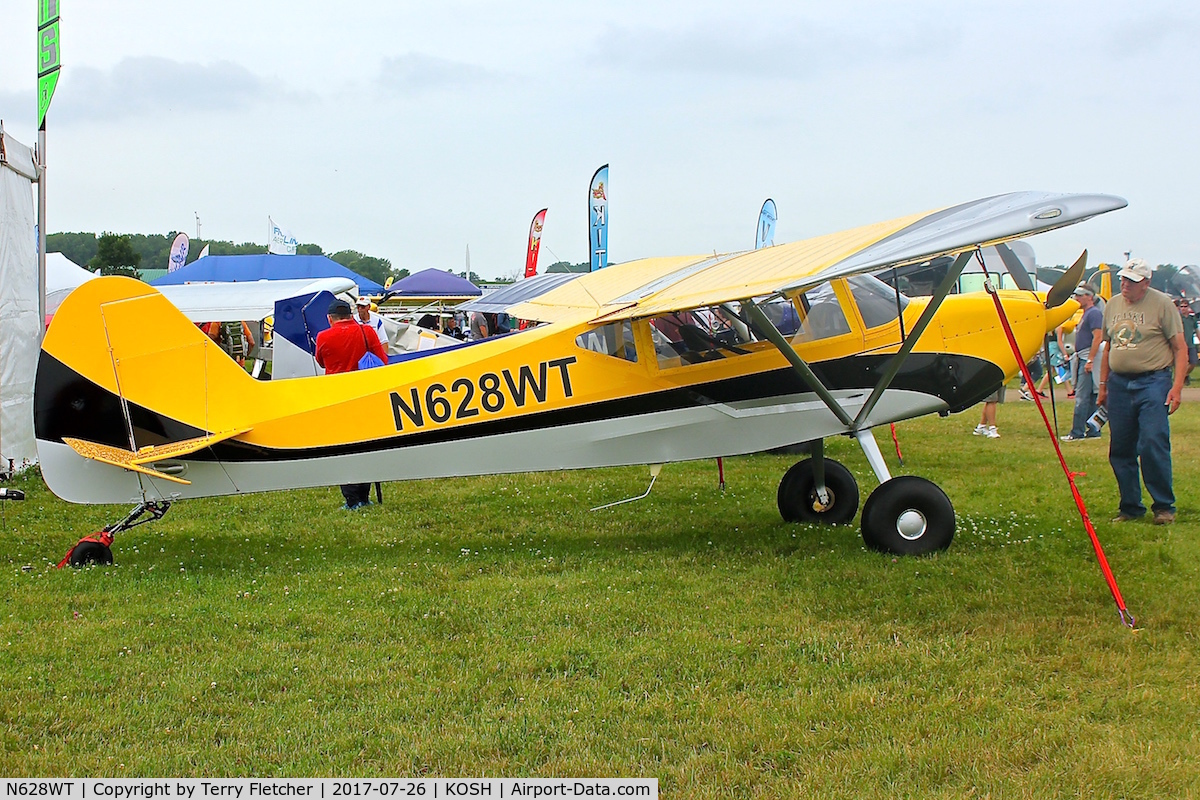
<point>877,302</point>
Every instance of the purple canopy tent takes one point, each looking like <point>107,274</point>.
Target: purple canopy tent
<point>433,283</point>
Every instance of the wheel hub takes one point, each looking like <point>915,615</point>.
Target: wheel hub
<point>817,505</point>
<point>911,524</point>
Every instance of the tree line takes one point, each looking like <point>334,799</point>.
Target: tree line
<point>566,266</point>
<point>129,253</point>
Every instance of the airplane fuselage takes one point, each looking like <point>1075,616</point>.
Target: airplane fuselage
<point>558,396</point>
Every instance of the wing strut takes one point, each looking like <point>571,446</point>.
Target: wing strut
<point>763,324</point>
<point>897,361</point>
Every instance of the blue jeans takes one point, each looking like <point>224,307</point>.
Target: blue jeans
<point>1140,430</point>
<point>1085,403</point>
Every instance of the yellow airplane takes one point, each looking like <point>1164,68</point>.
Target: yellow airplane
<point>646,362</point>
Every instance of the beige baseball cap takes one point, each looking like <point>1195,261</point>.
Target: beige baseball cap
<point>1137,270</point>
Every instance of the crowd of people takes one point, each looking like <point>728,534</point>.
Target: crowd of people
<point>1127,366</point>
<point>467,326</point>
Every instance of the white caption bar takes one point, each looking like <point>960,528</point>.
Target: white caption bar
<point>327,788</point>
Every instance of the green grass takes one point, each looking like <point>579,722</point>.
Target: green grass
<point>496,627</point>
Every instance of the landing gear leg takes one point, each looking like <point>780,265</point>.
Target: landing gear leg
<point>97,548</point>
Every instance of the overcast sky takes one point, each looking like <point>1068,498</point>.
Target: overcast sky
<point>410,130</point>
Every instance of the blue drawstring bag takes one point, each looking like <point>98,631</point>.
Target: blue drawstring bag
<point>369,359</point>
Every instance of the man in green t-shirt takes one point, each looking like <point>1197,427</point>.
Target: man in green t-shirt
<point>1141,383</point>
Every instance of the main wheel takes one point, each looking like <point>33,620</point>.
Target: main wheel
<point>797,496</point>
<point>86,553</point>
<point>908,516</point>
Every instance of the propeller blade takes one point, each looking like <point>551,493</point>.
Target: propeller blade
<point>1064,287</point>
<point>1015,268</point>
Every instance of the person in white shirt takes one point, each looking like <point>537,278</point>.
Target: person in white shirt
<point>366,316</point>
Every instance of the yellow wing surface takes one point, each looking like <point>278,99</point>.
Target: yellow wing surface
<point>655,286</point>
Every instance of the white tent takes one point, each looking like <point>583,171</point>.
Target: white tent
<point>63,273</point>
<point>19,324</point>
<point>232,302</point>
<point>62,277</point>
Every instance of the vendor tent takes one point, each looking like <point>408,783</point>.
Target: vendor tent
<point>62,276</point>
<point>20,329</point>
<point>63,273</point>
<point>233,302</point>
<point>434,283</point>
<point>267,266</point>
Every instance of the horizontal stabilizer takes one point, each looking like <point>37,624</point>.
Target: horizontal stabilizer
<point>134,461</point>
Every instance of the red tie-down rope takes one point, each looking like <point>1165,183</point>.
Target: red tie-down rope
<point>1122,611</point>
<point>899,455</point>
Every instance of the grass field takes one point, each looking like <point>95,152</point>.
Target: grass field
<point>496,627</point>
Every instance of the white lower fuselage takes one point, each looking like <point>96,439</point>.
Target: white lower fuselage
<point>684,434</point>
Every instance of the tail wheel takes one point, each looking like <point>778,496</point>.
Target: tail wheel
<point>908,516</point>
<point>86,553</point>
<point>798,501</point>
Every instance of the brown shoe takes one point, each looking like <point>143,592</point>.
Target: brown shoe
<point>1124,518</point>
<point>1164,517</point>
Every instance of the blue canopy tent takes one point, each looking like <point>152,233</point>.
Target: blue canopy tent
<point>433,283</point>
<point>228,269</point>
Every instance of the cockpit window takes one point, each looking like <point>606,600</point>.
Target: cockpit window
<point>697,335</point>
<point>823,315</point>
<point>614,339</point>
<point>877,302</point>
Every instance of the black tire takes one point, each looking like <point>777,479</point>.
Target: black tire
<point>91,553</point>
<point>798,494</point>
<point>908,516</point>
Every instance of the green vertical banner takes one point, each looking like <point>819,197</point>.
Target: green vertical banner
<point>49,56</point>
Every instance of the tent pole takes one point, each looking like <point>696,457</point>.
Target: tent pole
<point>41,245</point>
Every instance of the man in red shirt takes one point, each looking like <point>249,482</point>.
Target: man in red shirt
<point>339,349</point>
<point>345,342</point>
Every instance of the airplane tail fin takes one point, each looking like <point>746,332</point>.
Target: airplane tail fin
<point>122,372</point>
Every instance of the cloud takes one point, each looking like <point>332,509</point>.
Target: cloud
<point>150,85</point>
<point>414,73</point>
<point>13,102</point>
<point>706,52</point>
<point>790,49</point>
<point>1151,35</point>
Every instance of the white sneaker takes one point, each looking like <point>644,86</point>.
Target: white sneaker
<point>980,430</point>
<point>992,433</point>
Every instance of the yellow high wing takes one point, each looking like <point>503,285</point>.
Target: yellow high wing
<point>648,287</point>
<point>657,285</point>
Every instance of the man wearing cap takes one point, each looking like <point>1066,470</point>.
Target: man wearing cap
<point>339,349</point>
<point>1141,382</point>
<point>1087,344</point>
<point>367,316</point>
